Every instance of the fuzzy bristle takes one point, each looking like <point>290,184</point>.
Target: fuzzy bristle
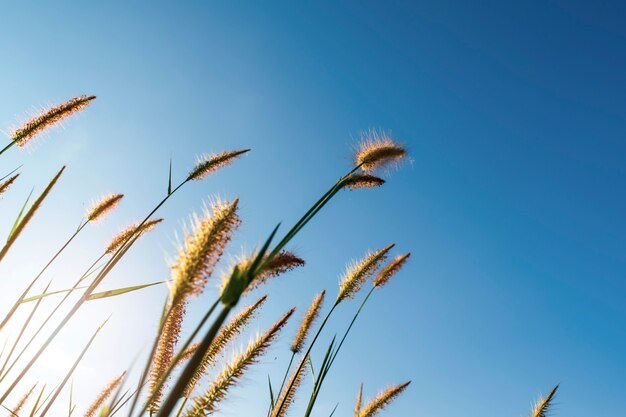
<point>358,273</point>
<point>125,235</point>
<point>281,263</point>
<point>382,400</point>
<point>376,150</point>
<point>226,335</point>
<point>307,322</point>
<point>203,248</point>
<point>165,352</point>
<point>390,270</point>
<point>356,181</point>
<point>359,399</point>
<point>209,164</point>
<point>102,397</point>
<point>20,403</point>
<point>542,407</point>
<point>4,185</point>
<point>287,396</point>
<point>49,118</point>
<point>233,371</point>
<point>103,207</point>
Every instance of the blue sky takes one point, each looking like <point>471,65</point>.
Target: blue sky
<point>512,206</point>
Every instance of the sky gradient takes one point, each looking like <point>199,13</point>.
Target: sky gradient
<point>512,206</point>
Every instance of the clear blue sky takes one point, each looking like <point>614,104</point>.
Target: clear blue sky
<point>513,206</point>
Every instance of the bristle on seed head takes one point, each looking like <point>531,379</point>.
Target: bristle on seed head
<point>103,207</point>
<point>209,164</point>
<point>377,150</point>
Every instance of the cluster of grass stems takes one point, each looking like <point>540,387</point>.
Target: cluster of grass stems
<point>190,377</point>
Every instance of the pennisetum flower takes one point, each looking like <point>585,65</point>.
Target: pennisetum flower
<point>102,397</point>
<point>382,400</point>
<point>49,118</point>
<point>203,248</point>
<point>359,272</point>
<point>20,403</point>
<point>376,150</point>
<point>359,399</point>
<point>542,406</point>
<point>281,263</point>
<point>287,396</point>
<point>233,371</point>
<point>208,164</point>
<point>124,236</point>
<point>307,321</point>
<point>226,334</point>
<point>103,207</point>
<point>390,270</point>
<point>4,185</point>
<point>360,180</point>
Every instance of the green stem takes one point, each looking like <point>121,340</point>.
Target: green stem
<point>7,147</point>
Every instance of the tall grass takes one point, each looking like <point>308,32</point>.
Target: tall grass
<point>188,376</point>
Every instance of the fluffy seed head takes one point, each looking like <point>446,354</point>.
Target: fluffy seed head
<point>203,248</point>
<point>391,269</point>
<point>382,400</point>
<point>233,371</point>
<point>281,263</point>
<point>359,180</point>
<point>102,397</point>
<point>376,150</point>
<point>125,235</point>
<point>226,335</point>
<point>542,407</point>
<point>359,399</point>
<point>307,322</point>
<point>359,272</point>
<point>209,164</point>
<point>165,351</point>
<point>288,395</point>
<point>103,207</point>
<point>4,185</point>
<point>49,118</point>
<point>20,403</point>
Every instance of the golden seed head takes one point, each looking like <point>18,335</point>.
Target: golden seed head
<point>307,322</point>
<point>164,354</point>
<point>288,395</point>
<point>359,272</point>
<point>281,263</point>
<point>542,407</point>
<point>4,185</point>
<point>203,248</point>
<point>231,374</point>
<point>226,335</point>
<point>125,235</point>
<point>102,397</point>
<point>359,399</point>
<point>20,403</point>
<point>382,400</point>
<point>49,118</point>
<point>391,269</point>
<point>209,164</point>
<point>103,207</point>
<point>376,150</point>
<point>359,180</point>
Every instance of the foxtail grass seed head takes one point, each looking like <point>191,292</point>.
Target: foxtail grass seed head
<point>359,399</point>
<point>390,269</point>
<point>203,248</point>
<point>226,335</point>
<point>281,263</point>
<point>209,164</point>
<point>359,272</point>
<point>4,185</point>
<point>20,403</point>
<point>307,322</point>
<point>359,180</point>
<point>102,397</point>
<point>543,405</point>
<point>377,150</point>
<point>48,118</point>
<point>103,207</point>
<point>125,235</point>
<point>231,374</point>
<point>166,347</point>
<point>382,400</point>
<point>288,395</point>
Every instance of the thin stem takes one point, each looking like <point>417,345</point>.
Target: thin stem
<point>7,147</point>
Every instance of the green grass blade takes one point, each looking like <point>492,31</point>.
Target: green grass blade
<point>120,291</point>
<point>19,216</point>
